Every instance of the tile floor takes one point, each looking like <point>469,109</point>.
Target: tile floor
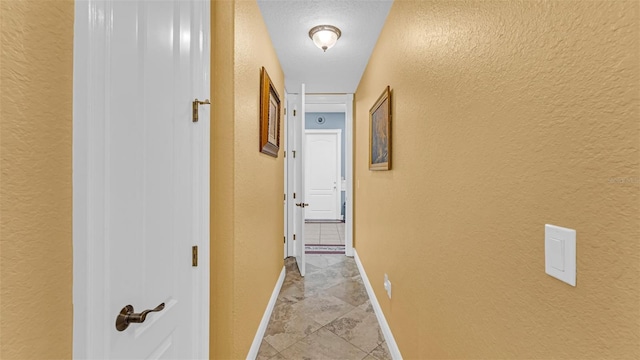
<point>324,233</point>
<point>325,315</point>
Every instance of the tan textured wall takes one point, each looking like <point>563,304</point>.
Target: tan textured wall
<point>259,179</point>
<point>222,177</point>
<point>36,69</point>
<point>247,188</point>
<point>507,116</point>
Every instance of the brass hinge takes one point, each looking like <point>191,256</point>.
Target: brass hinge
<point>294,236</point>
<point>284,239</point>
<point>195,105</point>
<point>285,154</point>
<point>285,111</point>
<point>294,113</point>
<point>294,195</point>
<point>194,256</point>
<point>285,197</point>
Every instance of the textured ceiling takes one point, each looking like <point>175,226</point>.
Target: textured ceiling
<point>340,68</point>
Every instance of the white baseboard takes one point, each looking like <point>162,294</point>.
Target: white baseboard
<point>257,340</point>
<point>386,330</point>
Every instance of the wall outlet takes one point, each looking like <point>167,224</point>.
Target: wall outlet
<point>387,285</point>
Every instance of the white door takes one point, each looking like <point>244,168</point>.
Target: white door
<point>323,174</point>
<point>300,181</point>
<point>141,178</point>
<point>290,166</point>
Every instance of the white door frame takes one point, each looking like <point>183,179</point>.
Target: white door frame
<point>89,189</point>
<point>328,103</point>
<point>338,133</point>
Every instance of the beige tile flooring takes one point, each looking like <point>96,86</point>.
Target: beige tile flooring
<point>324,233</point>
<point>325,315</point>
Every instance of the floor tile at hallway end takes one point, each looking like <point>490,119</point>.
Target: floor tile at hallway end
<point>351,291</point>
<point>323,344</point>
<point>381,352</point>
<point>332,294</point>
<point>287,326</point>
<point>358,327</point>
<point>266,351</point>
<point>322,309</point>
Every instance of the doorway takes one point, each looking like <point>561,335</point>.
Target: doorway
<point>337,227</point>
<point>324,218</point>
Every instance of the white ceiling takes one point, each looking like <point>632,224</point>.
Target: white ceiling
<point>340,68</point>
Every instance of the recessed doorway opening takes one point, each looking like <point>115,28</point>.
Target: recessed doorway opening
<point>318,185</point>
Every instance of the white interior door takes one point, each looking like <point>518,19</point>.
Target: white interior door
<point>300,181</point>
<point>323,178</point>
<point>290,131</point>
<point>141,178</point>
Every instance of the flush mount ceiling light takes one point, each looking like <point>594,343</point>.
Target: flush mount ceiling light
<point>324,36</point>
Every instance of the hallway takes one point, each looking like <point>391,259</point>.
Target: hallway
<point>325,315</point>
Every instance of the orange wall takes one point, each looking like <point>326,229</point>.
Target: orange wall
<point>36,70</point>
<point>507,116</point>
<point>247,186</point>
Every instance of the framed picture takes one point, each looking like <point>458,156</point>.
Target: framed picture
<point>269,116</point>
<point>380,133</point>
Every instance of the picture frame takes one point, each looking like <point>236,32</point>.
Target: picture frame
<point>380,132</point>
<point>270,110</point>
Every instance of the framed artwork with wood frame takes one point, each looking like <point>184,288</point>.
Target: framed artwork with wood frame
<point>269,116</point>
<point>380,132</point>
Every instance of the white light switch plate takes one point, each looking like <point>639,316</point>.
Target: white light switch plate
<point>560,253</point>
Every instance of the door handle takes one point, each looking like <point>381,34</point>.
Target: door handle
<point>302,205</point>
<point>127,316</point>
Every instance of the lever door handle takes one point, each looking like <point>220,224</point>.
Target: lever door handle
<point>127,316</point>
<point>302,205</point>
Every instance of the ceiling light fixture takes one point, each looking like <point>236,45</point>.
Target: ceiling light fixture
<point>325,36</point>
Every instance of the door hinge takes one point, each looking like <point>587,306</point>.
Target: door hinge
<point>195,106</point>
<point>194,256</point>
<point>294,154</point>
<point>294,113</point>
<point>294,236</point>
<point>284,239</point>
<point>285,197</point>
<point>285,111</point>
<point>294,195</point>
<point>285,154</point>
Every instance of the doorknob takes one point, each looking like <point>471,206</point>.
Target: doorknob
<point>196,103</point>
<point>127,316</point>
<point>302,205</point>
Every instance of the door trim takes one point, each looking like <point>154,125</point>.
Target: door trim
<point>338,133</point>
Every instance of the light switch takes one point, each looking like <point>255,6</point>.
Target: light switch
<point>556,247</point>
<point>560,253</point>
